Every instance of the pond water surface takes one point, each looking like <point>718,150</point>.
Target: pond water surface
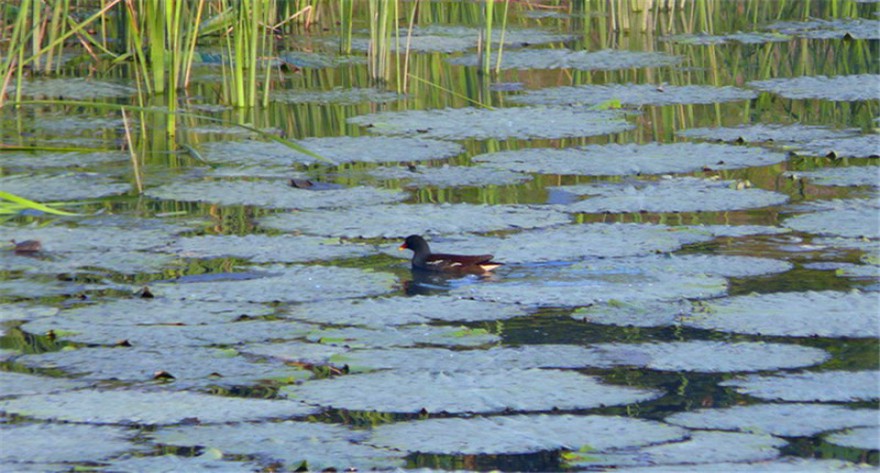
<point>685,202</point>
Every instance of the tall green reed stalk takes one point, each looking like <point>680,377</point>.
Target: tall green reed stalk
<point>383,29</point>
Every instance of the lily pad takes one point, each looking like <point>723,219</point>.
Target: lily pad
<point>190,366</point>
<point>41,160</point>
<point>591,282</point>
<point>769,132</point>
<point>403,336</point>
<point>845,176</point>
<point>295,351</point>
<point>451,176</point>
<point>751,37</point>
<point>336,96</point>
<point>267,249</point>
<point>633,94</point>
<point>454,38</point>
<point>62,187</point>
<point>605,60</point>
<point>286,284</point>
<point>825,386</point>
<point>161,311</point>
<point>792,314</point>
<point>522,434</point>
<point>783,465</point>
<point>634,313</point>
<point>150,408</point>
<point>398,221</point>
<point>683,194</point>
<point>459,392</point>
<point>384,312</point>
<point>854,218</point>
<point>629,159</point>
<point>817,28</point>
<point>12,311</point>
<point>210,461</point>
<point>787,420</point>
<point>38,443</point>
<point>737,230</point>
<point>274,194</point>
<point>711,356</point>
<point>839,89</point>
<point>700,447</point>
<point>860,437</point>
<point>18,384</point>
<point>340,149</point>
<point>73,89</point>
<point>865,146</point>
<point>296,444</point>
<point>500,124</point>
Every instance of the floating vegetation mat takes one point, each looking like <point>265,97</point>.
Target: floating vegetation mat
<point>605,60</point>
<point>398,221</point>
<point>761,133</point>
<point>633,94</point>
<point>267,249</point>
<point>683,194</point>
<point>341,149</point>
<point>840,89</point>
<point>516,390</point>
<point>792,314</point>
<point>273,194</point>
<point>500,124</point>
<point>384,312</point>
<point>630,159</point>
<point>523,434</point>
<point>321,446</point>
<point>150,408</point>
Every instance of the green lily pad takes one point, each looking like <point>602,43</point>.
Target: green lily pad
<point>839,89</point>
<point>787,420</point>
<point>73,89</point>
<point>817,28</point>
<point>191,367</point>
<point>700,447</point>
<point>18,384</point>
<point>860,437</point>
<point>451,176</point>
<point>454,38</point>
<point>783,465</point>
<point>295,351</point>
<point>336,96</point>
<point>634,313</point>
<point>384,312</point>
<point>274,194</point>
<point>864,146</point>
<point>210,461</point>
<point>340,149</point>
<point>770,132</point>
<point>854,218</point>
<point>150,408</point>
<point>711,356</point>
<point>286,284</point>
<point>62,187</point>
<point>737,230</point>
<point>410,335</point>
<point>605,60</point>
<point>792,314</point>
<point>629,159</point>
<point>522,434</point>
<point>751,37</point>
<point>845,176</point>
<point>13,311</point>
<point>320,446</point>
<point>268,249</point>
<point>683,194</point>
<point>38,443</point>
<point>41,160</point>
<point>633,94</point>
<point>825,386</point>
<point>459,392</point>
<point>398,221</point>
<point>500,124</point>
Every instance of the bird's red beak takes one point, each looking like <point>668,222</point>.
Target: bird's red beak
<point>402,247</point>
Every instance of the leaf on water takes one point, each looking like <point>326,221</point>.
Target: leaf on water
<point>850,88</point>
<point>410,335</point>
<point>860,437</point>
<point>608,59</point>
<point>450,176</point>
<point>267,249</point>
<point>633,94</point>
<point>46,443</point>
<point>777,134</point>
<point>825,386</point>
<point>854,218</point>
<point>61,187</point>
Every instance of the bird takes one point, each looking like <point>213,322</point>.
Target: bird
<point>424,260</point>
